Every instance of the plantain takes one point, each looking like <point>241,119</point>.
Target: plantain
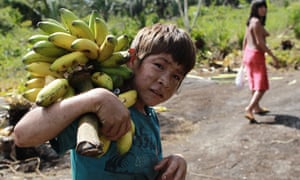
<point>31,56</point>
<point>122,71</point>
<point>107,47</point>
<point>52,92</point>
<point>87,46</point>
<point>102,79</point>
<point>128,98</point>
<point>69,61</point>
<point>37,82</point>
<point>31,94</point>
<point>41,69</point>
<point>100,30</point>
<point>37,37</point>
<point>62,39</point>
<point>48,49</point>
<point>125,142</point>
<point>81,29</point>
<point>116,59</point>
<point>122,43</point>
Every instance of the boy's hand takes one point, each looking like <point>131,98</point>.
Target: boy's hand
<point>113,116</point>
<point>173,167</point>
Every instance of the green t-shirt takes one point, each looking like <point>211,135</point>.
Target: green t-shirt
<point>138,163</point>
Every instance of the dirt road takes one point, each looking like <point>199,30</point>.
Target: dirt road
<point>222,145</point>
<point>205,122</point>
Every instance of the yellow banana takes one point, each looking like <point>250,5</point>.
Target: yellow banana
<point>46,48</point>
<point>122,71</point>
<point>116,59</point>
<point>102,79</point>
<point>132,127</point>
<point>41,69</point>
<point>50,27</point>
<point>37,82</point>
<point>107,47</point>
<point>31,94</point>
<point>125,142</point>
<point>69,61</point>
<point>100,30</point>
<point>32,56</point>
<point>67,17</point>
<point>106,143</point>
<point>62,39</point>
<point>92,18</point>
<point>48,79</point>
<point>122,43</point>
<point>52,92</point>
<point>81,29</point>
<point>89,47</point>
<point>128,98</point>
<point>37,37</point>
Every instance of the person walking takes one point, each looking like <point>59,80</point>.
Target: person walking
<point>254,49</point>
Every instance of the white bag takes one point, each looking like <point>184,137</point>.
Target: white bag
<point>240,77</point>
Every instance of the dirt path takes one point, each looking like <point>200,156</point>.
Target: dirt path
<point>205,123</point>
<point>222,145</point>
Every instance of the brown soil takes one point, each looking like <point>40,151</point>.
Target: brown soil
<point>205,122</point>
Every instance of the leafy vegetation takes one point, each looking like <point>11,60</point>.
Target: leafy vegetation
<point>217,29</point>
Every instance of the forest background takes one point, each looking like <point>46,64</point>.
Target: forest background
<point>216,26</point>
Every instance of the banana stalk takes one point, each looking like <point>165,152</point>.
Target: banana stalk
<point>88,142</point>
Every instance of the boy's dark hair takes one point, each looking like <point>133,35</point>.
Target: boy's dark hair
<point>255,4</point>
<point>166,38</point>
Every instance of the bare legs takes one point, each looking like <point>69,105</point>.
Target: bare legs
<point>254,103</point>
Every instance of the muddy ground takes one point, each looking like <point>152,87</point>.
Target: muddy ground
<point>205,122</point>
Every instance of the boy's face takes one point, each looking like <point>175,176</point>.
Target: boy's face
<point>157,78</point>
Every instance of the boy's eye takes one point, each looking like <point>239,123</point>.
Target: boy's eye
<point>159,66</point>
<point>177,77</point>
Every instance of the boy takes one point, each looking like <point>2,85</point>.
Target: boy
<point>163,55</point>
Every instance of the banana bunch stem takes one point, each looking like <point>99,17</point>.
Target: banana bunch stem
<point>88,142</point>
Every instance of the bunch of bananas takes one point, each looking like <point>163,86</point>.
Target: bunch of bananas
<point>73,56</point>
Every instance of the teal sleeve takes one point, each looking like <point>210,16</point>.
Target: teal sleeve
<point>66,140</point>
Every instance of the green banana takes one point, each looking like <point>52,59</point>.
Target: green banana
<point>62,39</point>
<point>69,61</point>
<point>31,94</point>
<point>46,48</point>
<point>49,27</point>
<point>100,30</point>
<point>122,43</point>
<point>123,71</point>
<point>37,82</point>
<point>52,92</point>
<point>107,47</point>
<point>102,79</point>
<point>81,29</point>
<point>128,98</point>
<point>89,47</point>
<point>37,37</point>
<point>118,81</point>
<point>32,56</point>
<point>116,59</point>
<point>92,18</point>
<point>70,92</point>
<point>41,69</point>
<point>67,17</point>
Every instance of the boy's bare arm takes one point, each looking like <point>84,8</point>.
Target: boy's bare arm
<point>42,124</point>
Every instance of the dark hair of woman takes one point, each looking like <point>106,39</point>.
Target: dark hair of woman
<point>255,5</point>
